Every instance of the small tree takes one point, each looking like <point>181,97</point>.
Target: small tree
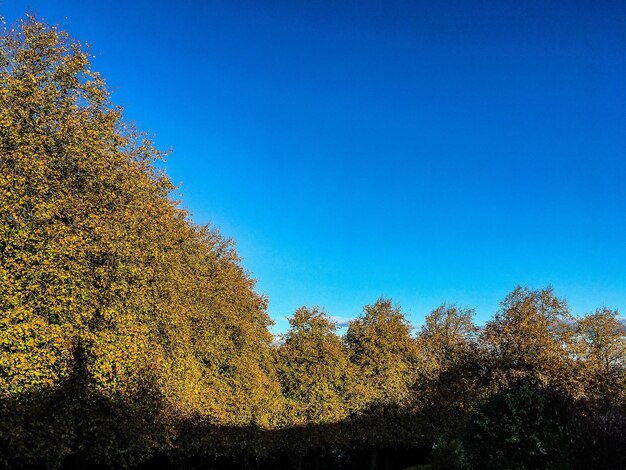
<point>452,375</point>
<point>602,358</point>
<point>314,370</point>
<point>380,345</point>
<point>448,332</point>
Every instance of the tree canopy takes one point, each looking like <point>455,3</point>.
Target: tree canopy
<point>107,284</point>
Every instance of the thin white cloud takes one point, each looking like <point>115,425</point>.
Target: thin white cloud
<point>342,322</point>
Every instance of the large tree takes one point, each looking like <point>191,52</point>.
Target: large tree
<point>120,317</point>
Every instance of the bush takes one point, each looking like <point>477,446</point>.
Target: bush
<point>602,443</point>
<point>524,427</point>
<point>449,455</point>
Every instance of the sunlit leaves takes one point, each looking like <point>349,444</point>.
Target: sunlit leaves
<point>316,376</point>
<point>105,284</point>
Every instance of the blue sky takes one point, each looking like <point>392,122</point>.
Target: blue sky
<point>426,151</point>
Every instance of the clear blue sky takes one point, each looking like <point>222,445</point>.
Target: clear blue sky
<point>427,151</point>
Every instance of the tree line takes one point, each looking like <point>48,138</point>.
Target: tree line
<point>130,336</point>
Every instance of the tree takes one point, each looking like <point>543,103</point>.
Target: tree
<point>447,332</point>
<point>531,336</point>
<point>121,318</point>
<point>380,345</point>
<point>452,377</point>
<point>75,266</point>
<point>314,370</point>
<point>602,358</point>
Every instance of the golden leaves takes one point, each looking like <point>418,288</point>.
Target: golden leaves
<point>104,282</point>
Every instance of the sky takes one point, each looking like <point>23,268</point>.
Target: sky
<point>425,151</point>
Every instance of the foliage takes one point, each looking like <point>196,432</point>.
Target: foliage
<point>449,455</point>
<point>316,376</point>
<point>525,427</point>
<point>380,345</point>
<point>452,375</point>
<point>447,333</point>
<point>602,442</point>
<point>531,337</point>
<point>107,290</point>
<point>602,358</point>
